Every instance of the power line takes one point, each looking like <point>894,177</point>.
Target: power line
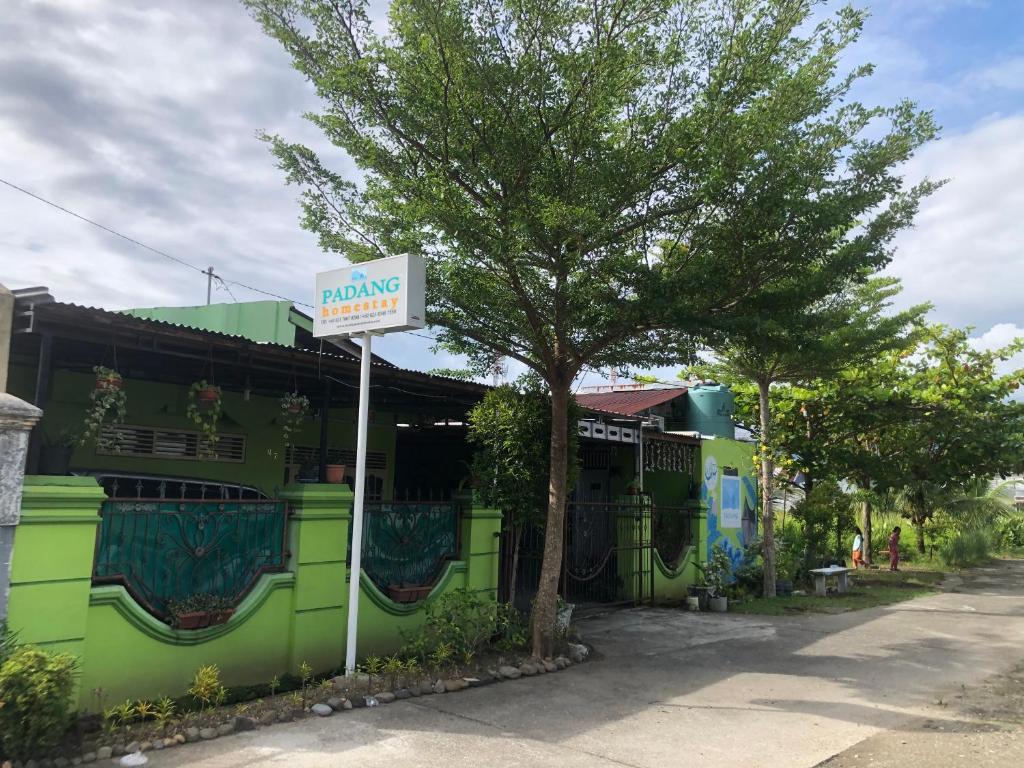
<point>157,251</point>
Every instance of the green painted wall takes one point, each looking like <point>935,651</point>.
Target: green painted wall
<point>287,618</point>
<point>253,320</point>
<point>716,456</point>
<point>154,404</point>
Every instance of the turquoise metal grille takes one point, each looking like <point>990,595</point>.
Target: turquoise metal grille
<point>406,543</point>
<point>163,551</point>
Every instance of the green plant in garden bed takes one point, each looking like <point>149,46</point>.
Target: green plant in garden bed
<point>207,689</point>
<point>35,692</point>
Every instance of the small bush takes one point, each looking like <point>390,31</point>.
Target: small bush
<point>35,693</point>
<point>206,688</point>
<point>965,548</point>
<point>1009,532</point>
<point>462,621</point>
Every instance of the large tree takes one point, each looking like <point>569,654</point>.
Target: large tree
<point>536,153</point>
<point>818,341</point>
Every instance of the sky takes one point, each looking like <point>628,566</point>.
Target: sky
<point>143,116</point>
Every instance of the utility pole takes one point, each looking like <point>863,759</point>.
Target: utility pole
<point>209,284</point>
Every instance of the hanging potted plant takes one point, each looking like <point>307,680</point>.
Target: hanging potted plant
<point>204,401</point>
<point>108,407</point>
<point>294,410</point>
<point>107,378</point>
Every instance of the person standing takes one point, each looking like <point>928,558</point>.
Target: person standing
<point>894,549</point>
<point>858,548</point>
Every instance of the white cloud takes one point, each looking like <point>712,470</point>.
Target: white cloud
<point>1004,75</point>
<point>966,252</point>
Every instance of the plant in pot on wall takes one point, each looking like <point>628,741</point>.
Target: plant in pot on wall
<point>717,573</point>
<point>199,610</point>
<point>108,407</point>
<point>204,404</point>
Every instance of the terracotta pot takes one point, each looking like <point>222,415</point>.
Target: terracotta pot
<point>109,382</point>
<point>192,620</point>
<point>208,395</point>
<point>408,594</point>
<point>335,473</point>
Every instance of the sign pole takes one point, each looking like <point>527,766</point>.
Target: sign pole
<point>357,507</point>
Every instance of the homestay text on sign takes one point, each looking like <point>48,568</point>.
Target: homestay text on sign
<point>379,296</point>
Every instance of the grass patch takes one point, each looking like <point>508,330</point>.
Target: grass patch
<point>868,589</point>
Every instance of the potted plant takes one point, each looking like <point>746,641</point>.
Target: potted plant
<point>108,407</point>
<point>401,593</point>
<point>107,378</point>
<point>55,452</point>
<point>294,410</point>
<point>716,575</point>
<point>204,402</point>
<point>199,610</point>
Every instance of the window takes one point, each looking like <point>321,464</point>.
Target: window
<point>153,443</point>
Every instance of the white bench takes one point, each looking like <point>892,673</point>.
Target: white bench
<point>820,574</point>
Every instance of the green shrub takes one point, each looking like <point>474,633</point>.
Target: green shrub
<point>964,548</point>
<point>460,620</point>
<point>35,693</point>
<point>1009,533</point>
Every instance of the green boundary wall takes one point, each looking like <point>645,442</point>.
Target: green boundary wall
<point>288,618</point>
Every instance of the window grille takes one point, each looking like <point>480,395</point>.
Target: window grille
<point>154,443</point>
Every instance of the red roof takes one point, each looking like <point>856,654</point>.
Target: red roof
<point>629,402</point>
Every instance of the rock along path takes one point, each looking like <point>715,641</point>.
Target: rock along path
<point>670,688</point>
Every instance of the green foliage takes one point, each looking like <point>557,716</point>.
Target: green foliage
<point>274,684</point>
<point>205,415</point>
<point>828,520</point>
<point>717,571</point>
<point>144,710</point>
<point>575,194</point>
<point>206,687</point>
<point>512,632</point>
<point>164,711</point>
<point>457,626</point>
<point>1009,532</point>
<point>294,411</point>
<point>510,430</point>
<point>198,603</point>
<point>108,407</point>
<point>965,548</point>
<point>35,695</point>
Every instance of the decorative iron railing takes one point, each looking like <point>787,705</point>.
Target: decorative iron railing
<point>405,544</point>
<point>164,551</point>
<point>672,532</point>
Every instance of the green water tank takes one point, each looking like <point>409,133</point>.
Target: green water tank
<point>711,410</point>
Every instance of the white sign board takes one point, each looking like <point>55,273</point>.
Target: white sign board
<point>731,516</point>
<point>379,296</point>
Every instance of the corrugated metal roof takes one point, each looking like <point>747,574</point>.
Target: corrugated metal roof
<point>630,402</point>
<point>85,314</point>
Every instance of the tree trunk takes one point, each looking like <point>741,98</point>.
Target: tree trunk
<point>866,525</point>
<point>544,606</point>
<point>767,483</point>
<point>919,530</point>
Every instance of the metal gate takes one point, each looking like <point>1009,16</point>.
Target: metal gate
<point>606,556</point>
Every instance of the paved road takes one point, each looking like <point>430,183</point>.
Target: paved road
<point>673,689</point>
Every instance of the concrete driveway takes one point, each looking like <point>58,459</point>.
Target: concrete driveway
<point>670,688</point>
